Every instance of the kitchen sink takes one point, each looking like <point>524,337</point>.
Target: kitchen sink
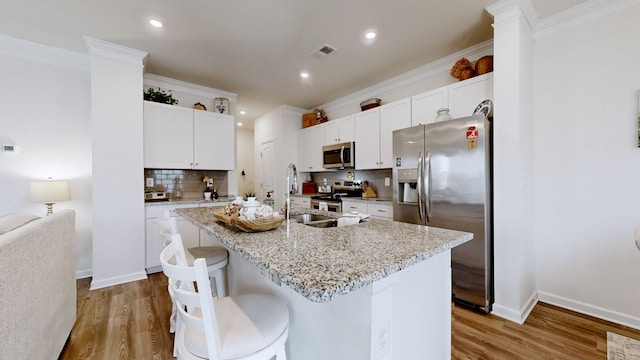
<point>314,220</point>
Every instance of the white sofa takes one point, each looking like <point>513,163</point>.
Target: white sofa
<point>37,285</point>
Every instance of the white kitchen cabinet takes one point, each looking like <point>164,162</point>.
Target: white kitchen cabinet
<point>464,96</point>
<point>301,202</point>
<point>349,206</point>
<point>181,138</point>
<point>376,210</point>
<point>214,141</point>
<point>367,128</point>
<point>374,133</point>
<point>424,107</point>
<point>168,136</point>
<point>339,130</point>
<point>380,211</point>
<point>393,116</point>
<point>310,142</point>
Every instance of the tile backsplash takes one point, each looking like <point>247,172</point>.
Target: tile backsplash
<point>375,178</point>
<point>190,181</point>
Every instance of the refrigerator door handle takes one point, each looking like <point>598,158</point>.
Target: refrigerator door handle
<point>427,185</point>
<point>419,186</point>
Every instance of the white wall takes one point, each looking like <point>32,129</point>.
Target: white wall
<point>46,112</point>
<point>245,154</point>
<point>587,167</point>
<point>280,125</point>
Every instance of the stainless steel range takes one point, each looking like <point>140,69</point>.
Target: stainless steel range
<point>333,201</point>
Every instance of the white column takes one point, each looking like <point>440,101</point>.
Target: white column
<point>513,162</point>
<point>117,145</point>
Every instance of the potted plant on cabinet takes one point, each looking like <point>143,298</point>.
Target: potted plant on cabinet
<point>160,96</point>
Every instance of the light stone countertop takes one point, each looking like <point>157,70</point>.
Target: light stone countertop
<point>223,200</point>
<point>379,201</point>
<point>323,263</point>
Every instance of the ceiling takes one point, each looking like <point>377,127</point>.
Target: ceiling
<point>257,48</point>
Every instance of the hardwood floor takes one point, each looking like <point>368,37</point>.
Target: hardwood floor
<point>130,321</point>
<point>550,332</point>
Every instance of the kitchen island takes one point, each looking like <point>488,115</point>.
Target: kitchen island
<point>374,290</point>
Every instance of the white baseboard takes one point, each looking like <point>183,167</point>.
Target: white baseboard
<point>517,316</point>
<point>81,274</point>
<point>116,280</point>
<point>587,309</point>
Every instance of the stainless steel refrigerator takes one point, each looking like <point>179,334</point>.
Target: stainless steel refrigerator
<point>442,178</point>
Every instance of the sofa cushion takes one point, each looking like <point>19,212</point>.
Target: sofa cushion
<point>9,222</point>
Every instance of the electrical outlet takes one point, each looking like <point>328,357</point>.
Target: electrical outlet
<point>149,182</point>
<point>382,339</point>
<point>210,183</point>
<point>387,181</point>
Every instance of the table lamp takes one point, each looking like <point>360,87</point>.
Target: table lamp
<point>49,192</point>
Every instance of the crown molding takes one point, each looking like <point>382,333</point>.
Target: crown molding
<point>109,50</point>
<point>182,86</point>
<point>44,53</point>
<point>579,15</point>
<point>411,76</point>
<point>508,11</point>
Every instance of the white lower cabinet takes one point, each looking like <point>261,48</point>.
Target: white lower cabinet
<point>380,211</point>
<point>300,201</point>
<point>191,234</point>
<point>348,206</point>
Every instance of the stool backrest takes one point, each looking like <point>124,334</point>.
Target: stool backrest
<point>188,300</point>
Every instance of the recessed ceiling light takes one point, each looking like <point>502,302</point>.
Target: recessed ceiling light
<point>155,23</point>
<point>242,112</point>
<point>304,74</point>
<point>239,124</point>
<point>370,35</point>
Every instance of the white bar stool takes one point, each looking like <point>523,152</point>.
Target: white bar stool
<point>242,327</point>
<point>216,257</point>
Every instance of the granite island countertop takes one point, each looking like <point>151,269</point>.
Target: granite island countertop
<point>323,263</point>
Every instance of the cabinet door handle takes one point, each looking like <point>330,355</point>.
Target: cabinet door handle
<point>382,211</point>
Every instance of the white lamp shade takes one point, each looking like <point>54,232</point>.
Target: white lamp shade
<point>49,191</point>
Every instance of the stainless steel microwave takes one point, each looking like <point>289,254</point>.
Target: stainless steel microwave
<point>338,155</point>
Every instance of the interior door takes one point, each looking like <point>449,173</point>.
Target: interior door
<point>267,165</point>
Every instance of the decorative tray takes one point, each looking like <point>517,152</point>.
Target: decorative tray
<point>241,223</point>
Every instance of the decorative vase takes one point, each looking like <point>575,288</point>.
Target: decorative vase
<point>221,105</point>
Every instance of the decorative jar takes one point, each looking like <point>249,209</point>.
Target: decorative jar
<point>443,114</point>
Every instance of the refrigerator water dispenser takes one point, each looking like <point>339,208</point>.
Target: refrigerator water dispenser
<point>408,185</point>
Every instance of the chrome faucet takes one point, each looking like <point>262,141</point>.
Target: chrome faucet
<point>292,188</point>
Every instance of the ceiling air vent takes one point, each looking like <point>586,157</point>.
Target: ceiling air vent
<point>324,51</point>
